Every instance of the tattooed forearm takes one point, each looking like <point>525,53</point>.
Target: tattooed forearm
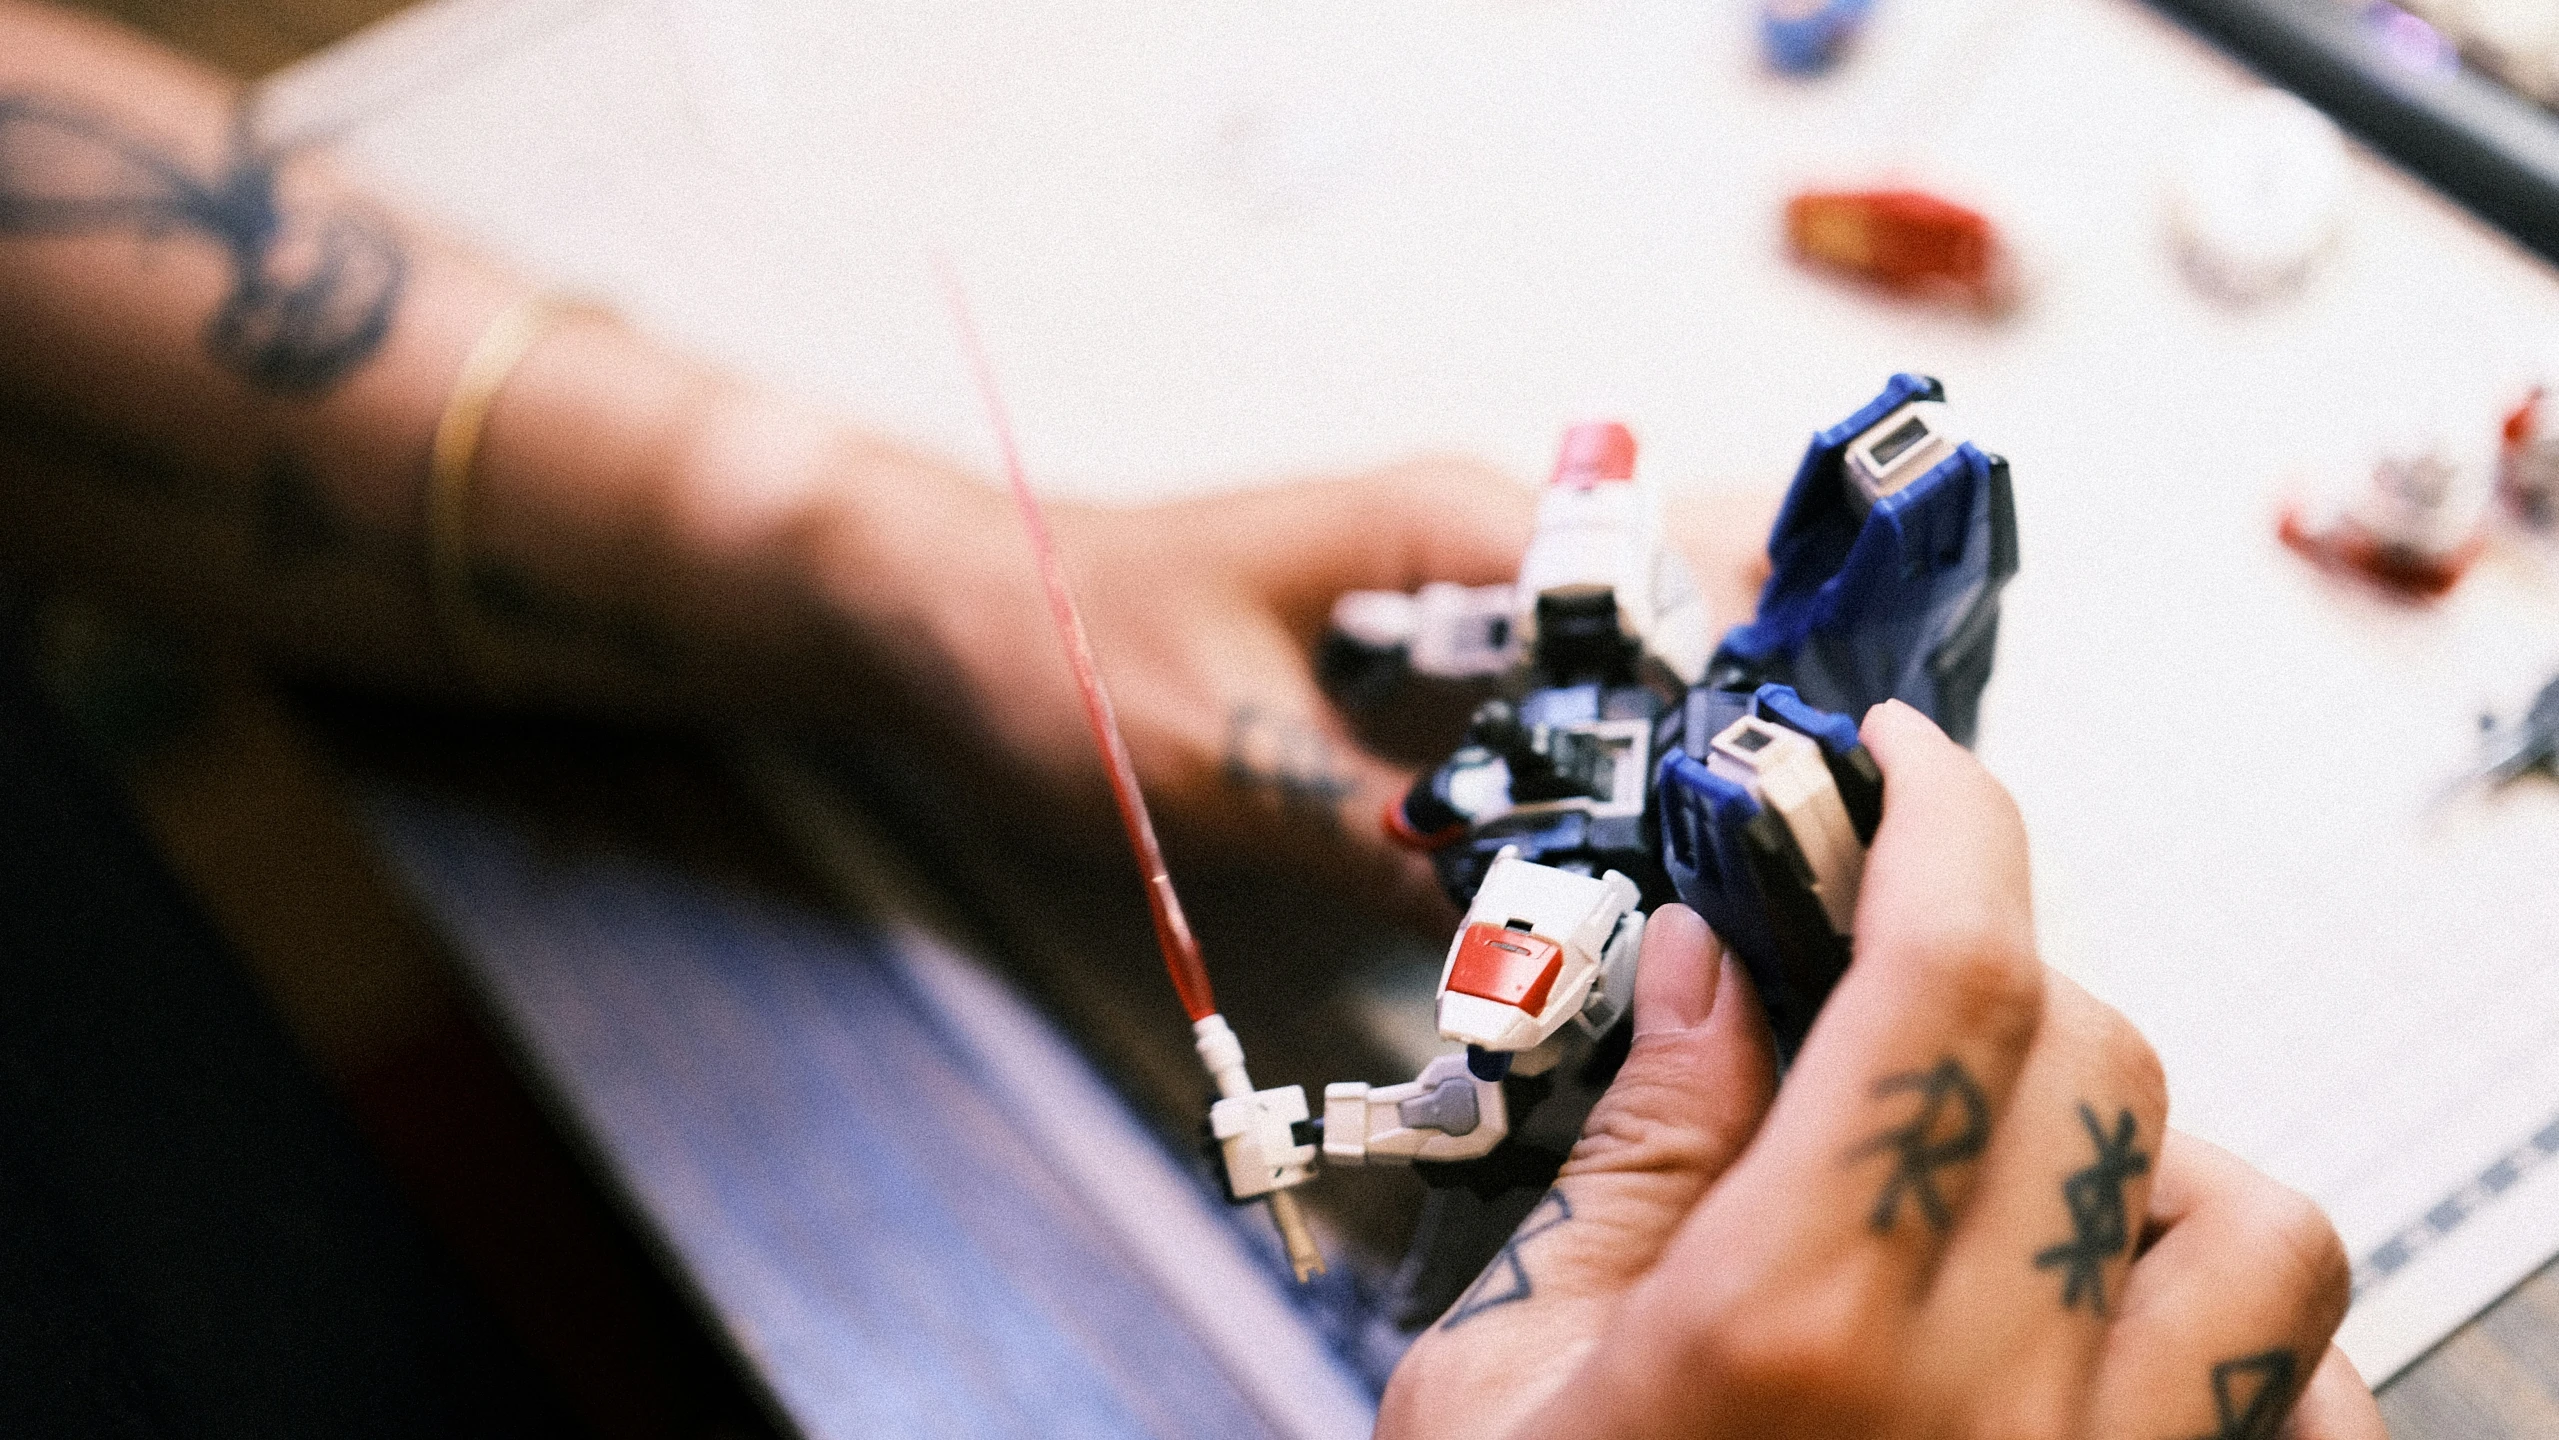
<point>1288,758</point>
<point>281,521</point>
<point>1506,1279</point>
<point>2250,1395</point>
<point>310,294</point>
<point>2095,1196</point>
<point>1949,1128</point>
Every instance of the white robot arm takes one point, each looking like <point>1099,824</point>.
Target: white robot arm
<point>1541,948</point>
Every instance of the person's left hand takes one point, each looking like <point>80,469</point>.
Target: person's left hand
<point>1205,617</point>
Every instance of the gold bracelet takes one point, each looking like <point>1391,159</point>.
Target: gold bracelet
<point>494,356</point>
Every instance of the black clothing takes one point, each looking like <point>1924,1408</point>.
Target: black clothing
<point>193,1240</point>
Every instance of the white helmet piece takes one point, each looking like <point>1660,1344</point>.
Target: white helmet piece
<point>1599,543</point>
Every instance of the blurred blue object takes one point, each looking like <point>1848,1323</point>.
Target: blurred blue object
<point>1806,36</point>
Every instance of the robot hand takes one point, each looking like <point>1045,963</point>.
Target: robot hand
<point>1541,949</point>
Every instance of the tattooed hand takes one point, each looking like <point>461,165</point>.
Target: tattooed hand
<point>1963,1215</point>
<point>1205,616</point>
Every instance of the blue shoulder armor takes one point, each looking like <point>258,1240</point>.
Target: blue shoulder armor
<point>1897,599</point>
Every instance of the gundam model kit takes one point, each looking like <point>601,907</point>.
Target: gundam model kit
<point>1631,759</point>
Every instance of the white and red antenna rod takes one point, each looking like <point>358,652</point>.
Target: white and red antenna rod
<point>1219,1050</point>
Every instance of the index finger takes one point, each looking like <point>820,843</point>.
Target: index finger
<point>1945,936</point>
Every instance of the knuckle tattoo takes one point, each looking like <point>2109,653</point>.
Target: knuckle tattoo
<point>1290,760</point>
<point>2101,1228</point>
<point>1946,1126</point>
<point>1507,1281</point>
<point>2251,1395</point>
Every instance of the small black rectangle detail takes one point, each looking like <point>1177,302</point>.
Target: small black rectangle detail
<point>1892,446</point>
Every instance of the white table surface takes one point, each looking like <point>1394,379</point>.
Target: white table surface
<point>1216,241</point>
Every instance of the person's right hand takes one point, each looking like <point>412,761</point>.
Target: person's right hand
<point>1963,1215</point>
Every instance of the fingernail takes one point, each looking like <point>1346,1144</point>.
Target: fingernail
<point>1896,715</point>
<point>1678,973</point>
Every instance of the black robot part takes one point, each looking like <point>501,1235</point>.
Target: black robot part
<point>1546,763</point>
<point>1579,640</point>
<point>1961,665</point>
<point>1810,955</point>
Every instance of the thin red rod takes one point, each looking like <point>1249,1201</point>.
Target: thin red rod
<point>1172,928</point>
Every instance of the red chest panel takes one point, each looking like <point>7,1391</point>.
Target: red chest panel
<point>1511,967</point>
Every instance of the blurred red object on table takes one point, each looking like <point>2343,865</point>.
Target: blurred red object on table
<point>2412,527</point>
<point>1907,241</point>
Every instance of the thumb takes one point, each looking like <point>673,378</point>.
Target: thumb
<point>1691,1094</point>
<point>1695,1086</point>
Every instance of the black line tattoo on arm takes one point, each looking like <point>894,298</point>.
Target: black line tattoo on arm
<point>2251,1395</point>
<point>1506,1279</point>
<point>1290,758</point>
<point>1950,1127</point>
<point>311,295</point>
<point>2095,1196</point>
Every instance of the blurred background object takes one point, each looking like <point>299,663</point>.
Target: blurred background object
<point>2463,101</point>
<point>246,37</point>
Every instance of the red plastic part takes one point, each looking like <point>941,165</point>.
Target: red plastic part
<point>2525,420</point>
<point>2352,549</point>
<point>1600,450</point>
<point>1172,927</point>
<point>1508,967</point>
<point>1905,240</point>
